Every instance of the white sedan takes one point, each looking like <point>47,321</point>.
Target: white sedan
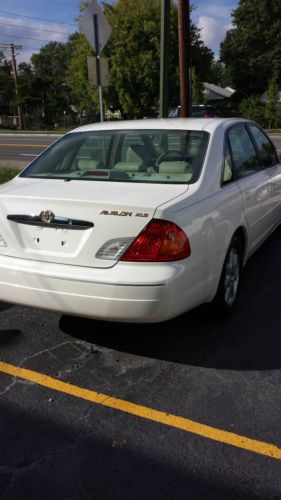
<point>139,221</point>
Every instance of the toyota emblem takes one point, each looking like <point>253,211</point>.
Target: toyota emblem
<point>47,216</point>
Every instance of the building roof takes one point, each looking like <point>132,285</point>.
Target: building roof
<point>214,92</point>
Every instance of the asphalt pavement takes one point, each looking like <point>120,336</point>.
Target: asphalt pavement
<point>92,409</point>
<point>188,409</point>
<point>18,150</point>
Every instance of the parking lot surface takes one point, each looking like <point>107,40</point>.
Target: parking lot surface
<point>121,439</point>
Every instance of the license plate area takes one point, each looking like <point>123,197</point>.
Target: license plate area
<point>51,241</point>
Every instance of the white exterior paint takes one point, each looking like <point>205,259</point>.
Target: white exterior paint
<point>58,270</point>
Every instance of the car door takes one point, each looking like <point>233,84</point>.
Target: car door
<point>253,182</point>
<point>269,161</point>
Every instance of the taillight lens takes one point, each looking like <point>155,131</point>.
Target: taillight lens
<point>160,241</point>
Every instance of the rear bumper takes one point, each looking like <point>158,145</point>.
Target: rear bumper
<point>126,292</point>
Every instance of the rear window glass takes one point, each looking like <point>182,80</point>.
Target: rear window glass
<point>161,156</point>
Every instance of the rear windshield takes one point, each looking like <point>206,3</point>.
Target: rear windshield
<point>153,156</point>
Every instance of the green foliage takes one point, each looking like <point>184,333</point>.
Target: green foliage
<point>251,50</point>
<point>49,74</point>
<point>197,89</point>
<point>201,56</point>
<point>271,106</point>
<point>219,74</point>
<point>84,96</point>
<point>6,174</point>
<point>55,85</point>
<point>135,56</point>
<point>251,108</point>
<point>6,85</point>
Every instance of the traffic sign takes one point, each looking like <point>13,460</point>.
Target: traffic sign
<point>92,71</point>
<point>86,25</point>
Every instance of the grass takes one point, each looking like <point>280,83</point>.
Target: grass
<point>7,173</point>
<point>58,131</point>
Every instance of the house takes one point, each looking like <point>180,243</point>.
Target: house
<point>215,93</point>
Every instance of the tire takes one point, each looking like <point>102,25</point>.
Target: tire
<point>229,285</point>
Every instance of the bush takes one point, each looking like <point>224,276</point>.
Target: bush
<point>253,109</point>
<point>6,174</point>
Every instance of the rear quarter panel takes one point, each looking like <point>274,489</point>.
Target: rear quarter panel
<point>209,214</point>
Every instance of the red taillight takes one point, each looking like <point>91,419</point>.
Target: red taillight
<point>160,241</point>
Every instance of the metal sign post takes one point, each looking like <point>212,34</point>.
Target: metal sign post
<point>95,27</point>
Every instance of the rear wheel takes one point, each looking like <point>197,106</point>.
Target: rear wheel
<point>229,284</point>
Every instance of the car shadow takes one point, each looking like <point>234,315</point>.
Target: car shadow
<point>9,337</point>
<point>250,339</point>
<point>5,305</point>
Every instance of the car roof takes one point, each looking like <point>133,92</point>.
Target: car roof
<point>207,124</point>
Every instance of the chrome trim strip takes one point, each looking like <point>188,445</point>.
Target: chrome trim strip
<point>57,222</point>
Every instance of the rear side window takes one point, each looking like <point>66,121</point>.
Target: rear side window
<point>266,149</point>
<point>243,151</point>
<point>227,167</point>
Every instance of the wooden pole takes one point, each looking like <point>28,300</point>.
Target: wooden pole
<point>184,57</point>
<point>16,82</point>
<point>164,56</point>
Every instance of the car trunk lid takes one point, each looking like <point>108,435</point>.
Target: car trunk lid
<point>68,222</point>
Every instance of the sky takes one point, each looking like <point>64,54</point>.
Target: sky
<point>30,24</point>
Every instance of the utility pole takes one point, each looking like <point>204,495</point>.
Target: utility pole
<point>16,79</point>
<point>164,57</point>
<point>184,57</point>
<point>13,48</point>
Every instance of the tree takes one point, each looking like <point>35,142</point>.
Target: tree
<point>7,91</point>
<point>134,53</point>
<point>49,68</point>
<point>251,108</point>
<point>251,50</point>
<point>271,101</point>
<point>84,96</point>
<point>197,89</point>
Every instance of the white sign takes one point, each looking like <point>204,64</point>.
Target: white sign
<point>92,71</point>
<point>86,25</point>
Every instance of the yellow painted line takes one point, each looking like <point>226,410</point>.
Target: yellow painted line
<point>225,437</point>
<point>3,145</point>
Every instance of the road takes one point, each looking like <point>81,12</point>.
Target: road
<point>185,410</point>
<point>276,139</point>
<point>20,149</point>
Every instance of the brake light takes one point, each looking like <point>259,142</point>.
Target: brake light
<point>160,241</point>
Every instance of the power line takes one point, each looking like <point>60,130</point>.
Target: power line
<point>35,29</point>
<point>25,47</point>
<point>27,38</point>
<point>38,18</point>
